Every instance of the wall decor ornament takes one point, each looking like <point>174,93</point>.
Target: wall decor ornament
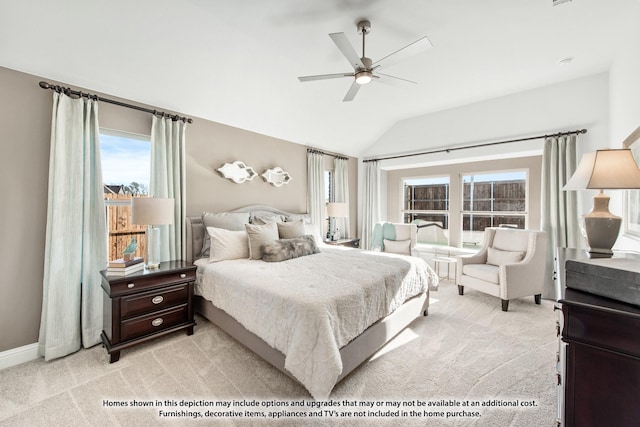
<point>237,172</point>
<point>276,176</point>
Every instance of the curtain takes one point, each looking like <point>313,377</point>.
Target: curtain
<point>341,193</point>
<point>315,190</point>
<point>168,179</point>
<point>559,208</point>
<point>76,233</point>
<point>370,201</point>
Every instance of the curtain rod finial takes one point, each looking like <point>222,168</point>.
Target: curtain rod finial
<point>44,85</point>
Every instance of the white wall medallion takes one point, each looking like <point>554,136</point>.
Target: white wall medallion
<point>237,172</point>
<point>276,176</point>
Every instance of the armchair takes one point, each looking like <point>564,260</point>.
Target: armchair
<point>510,264</point>
<point>395,238</point>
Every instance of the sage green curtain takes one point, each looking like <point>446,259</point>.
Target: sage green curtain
<point>341,193</point>
<point>76,233</point>
<point>370,202</point>
<point>168,180</point>
<point>560,218</point>
<point>315,190</point>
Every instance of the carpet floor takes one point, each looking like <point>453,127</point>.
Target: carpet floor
<point>466,364</point>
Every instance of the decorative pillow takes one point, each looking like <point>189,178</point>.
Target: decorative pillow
<point>289,230</point>
<point>227,244</point>
<point>234,221</point>
<point>284,249</point>
<point>313,230</point>
<point>498,257</point>
<point>397,246</point>
<point>267,219</point>
<point>259,235</point>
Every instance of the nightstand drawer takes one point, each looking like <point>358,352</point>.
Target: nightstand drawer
<point>600,328</point>
<point>146,302</point>
<point>136,283</point>
<point>154,322</point>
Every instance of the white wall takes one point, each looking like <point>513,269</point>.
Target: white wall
<point>571,105</point>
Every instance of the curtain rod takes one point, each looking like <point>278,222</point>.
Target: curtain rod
<point>448,150</point>
<point>67,91</point>
<point>337,156</point>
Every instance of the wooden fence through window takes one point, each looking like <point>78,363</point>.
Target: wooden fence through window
<point>121,231</point>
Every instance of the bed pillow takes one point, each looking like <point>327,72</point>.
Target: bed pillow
<point>498,257</point>
<point>402,247</point>
<point>258,235</point>
<point>284,249</point>
<point>227,244</point>
<point>234,221</point>
<point>290,230</point>
<point>267,219</point>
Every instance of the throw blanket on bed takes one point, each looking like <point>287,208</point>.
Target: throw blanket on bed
<point>310,307</point>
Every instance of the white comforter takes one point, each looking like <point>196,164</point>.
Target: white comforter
<point>309,307</point>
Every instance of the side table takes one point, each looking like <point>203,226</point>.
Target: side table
<point>147,304</point>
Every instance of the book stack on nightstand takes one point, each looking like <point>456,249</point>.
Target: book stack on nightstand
<point>120,267</point>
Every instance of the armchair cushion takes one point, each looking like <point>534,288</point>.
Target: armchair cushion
<point>487,272</point>
<point>499,257</point>
<point>398,246</point>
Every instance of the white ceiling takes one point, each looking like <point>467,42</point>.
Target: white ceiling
<point>237,62</point>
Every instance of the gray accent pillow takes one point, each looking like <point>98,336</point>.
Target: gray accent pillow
<point>233,221</point>
<point>289,230</point>
<point>284,249</point>
<point>259,235</point>
<point>266,219</point>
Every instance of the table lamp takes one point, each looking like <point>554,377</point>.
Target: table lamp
<point>613,169</point>
<point>336,210</point>
<point>152,211</point>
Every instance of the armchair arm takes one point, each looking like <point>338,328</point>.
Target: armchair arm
<point>478,258</point>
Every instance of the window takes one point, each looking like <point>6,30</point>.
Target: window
<point>426,203</point>
<point>126,170</point>
<point>492,200</point>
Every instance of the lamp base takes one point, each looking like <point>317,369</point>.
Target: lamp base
<point>601,226</point>
<point>153,248</point>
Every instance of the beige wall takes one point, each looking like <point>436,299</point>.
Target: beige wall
<point>532,164</point>
<point>25,111</point>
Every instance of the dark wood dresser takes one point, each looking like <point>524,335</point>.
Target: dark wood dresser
<point>147,304</point>
<point>600,381</point>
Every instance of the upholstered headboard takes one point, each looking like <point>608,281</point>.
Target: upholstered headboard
<point>196,230</point>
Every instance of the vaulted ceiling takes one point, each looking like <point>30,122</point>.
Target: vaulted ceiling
<point>237,62</point>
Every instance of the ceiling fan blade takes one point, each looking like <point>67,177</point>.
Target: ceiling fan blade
<point>347,50</point>
<point>395,81</point>
<point>411,49</point>
<point>324,77</point>
<point>351,93</point>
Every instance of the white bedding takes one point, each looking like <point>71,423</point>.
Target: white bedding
<point>310,307</point>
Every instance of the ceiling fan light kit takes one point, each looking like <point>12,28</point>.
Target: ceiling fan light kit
<point>363,67</point>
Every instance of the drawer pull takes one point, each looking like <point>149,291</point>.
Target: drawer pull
<point>183,275</point>
<point>130,285</point>
<point>157,322</point>
<point>157,299</point>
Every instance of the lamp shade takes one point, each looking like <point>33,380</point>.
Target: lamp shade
<point>337,210</point>
<point>606,169</point>
<point>152,211</point>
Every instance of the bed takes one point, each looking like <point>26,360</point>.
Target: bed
<point>317,317</point>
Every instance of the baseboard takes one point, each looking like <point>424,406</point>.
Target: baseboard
<point>18,355</point>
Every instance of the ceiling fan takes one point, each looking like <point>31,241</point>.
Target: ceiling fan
<point>363,67</point>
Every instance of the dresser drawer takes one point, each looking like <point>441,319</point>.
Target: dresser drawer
<point>154,322</point>
<point>602,328</point>
<point>146,302</point>
<point>136,283</point>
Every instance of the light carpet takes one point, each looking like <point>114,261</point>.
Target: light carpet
<point>467,350</point>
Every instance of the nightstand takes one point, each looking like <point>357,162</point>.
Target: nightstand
<point>352,243</point>
<point>147,304</point>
